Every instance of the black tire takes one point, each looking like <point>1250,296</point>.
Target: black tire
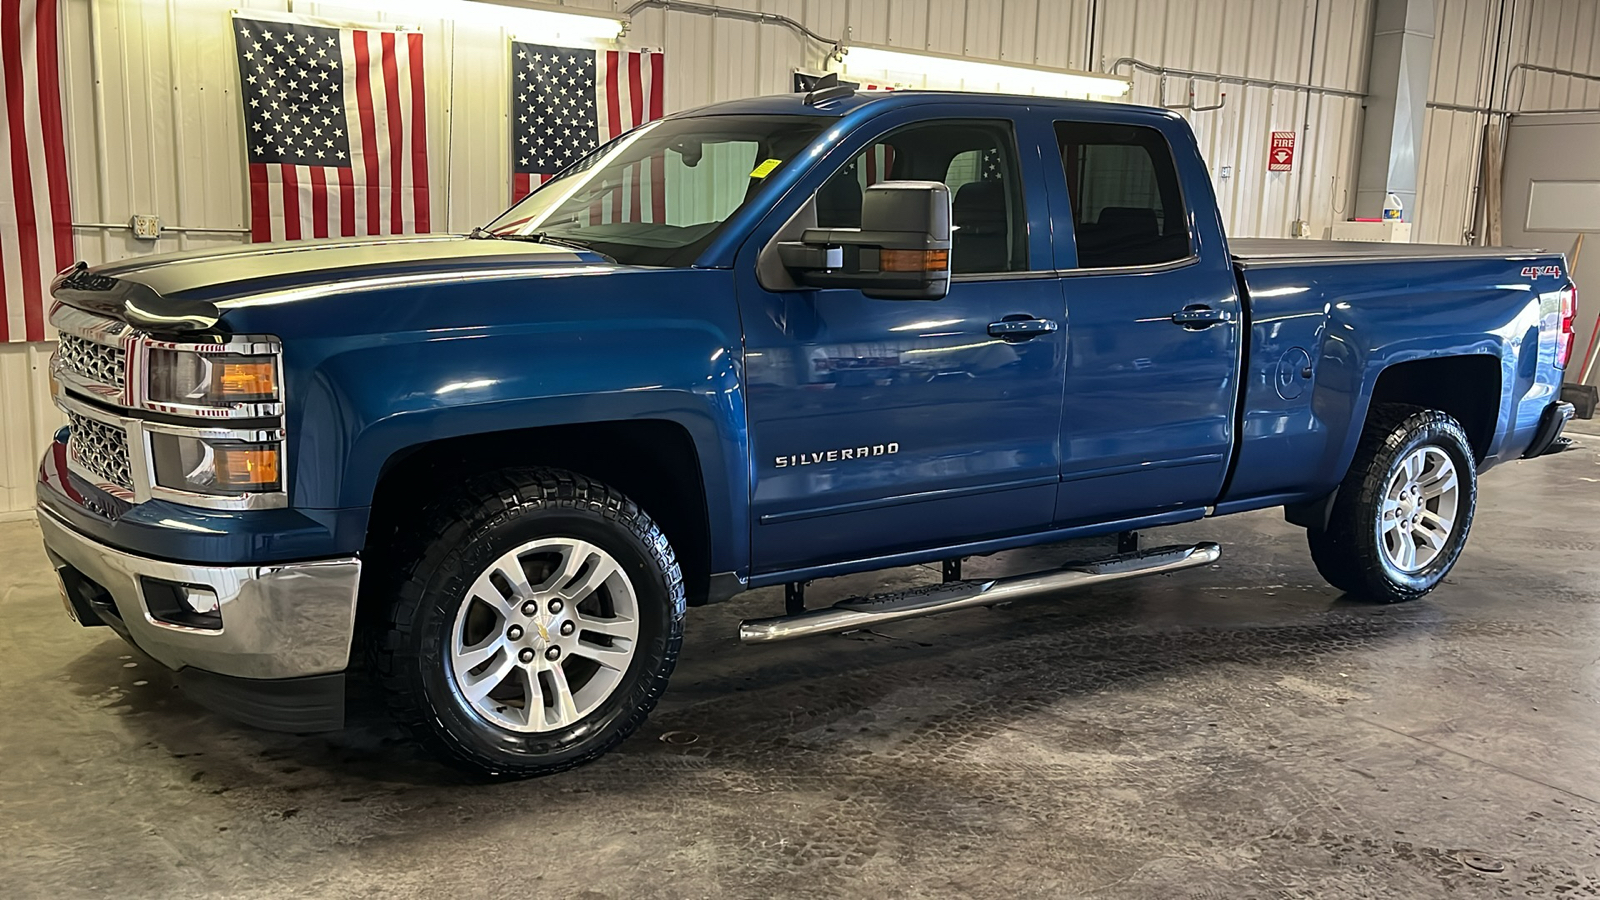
<point>1350,553</point>
<point>1331,562</point>
<point>437,560</point>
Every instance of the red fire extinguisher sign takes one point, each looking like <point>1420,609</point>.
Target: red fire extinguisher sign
<point>1280,156</point>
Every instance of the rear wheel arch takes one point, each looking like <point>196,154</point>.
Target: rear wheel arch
<point>1466,387</point>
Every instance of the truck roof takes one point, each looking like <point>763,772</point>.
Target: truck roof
<point>795,105</point>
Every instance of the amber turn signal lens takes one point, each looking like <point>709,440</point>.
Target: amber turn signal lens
<point>247,467</point>
<point>249,379</point>
<point>913,260</point>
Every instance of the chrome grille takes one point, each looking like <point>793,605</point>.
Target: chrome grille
<point>102,449</point>
<point>91,361</point>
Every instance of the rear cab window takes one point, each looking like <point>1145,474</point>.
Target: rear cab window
<point>1127,206</point>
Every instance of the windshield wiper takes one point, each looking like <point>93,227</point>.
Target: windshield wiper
<point>571,243</point>
<point>540,237</point>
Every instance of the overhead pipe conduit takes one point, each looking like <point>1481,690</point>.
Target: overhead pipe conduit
<point>743,15</point>
<point>1515,109</point>
<point>1219,78</point>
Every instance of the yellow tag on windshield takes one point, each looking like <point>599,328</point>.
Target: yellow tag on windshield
<point>766,168</point>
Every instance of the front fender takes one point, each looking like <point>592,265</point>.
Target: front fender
<point>368,404</point>
<point>377,376</point>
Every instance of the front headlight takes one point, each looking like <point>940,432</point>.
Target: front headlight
<point>206,466</point>
<point>212,379</point>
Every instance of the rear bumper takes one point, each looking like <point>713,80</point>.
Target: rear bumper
<point>1555,417</point>
<point>286,628</point>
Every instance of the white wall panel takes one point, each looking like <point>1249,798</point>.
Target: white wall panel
<point>1448,173</point>
<point>1321,43</point>
<point>1562,34</point>
<point>27,419</point>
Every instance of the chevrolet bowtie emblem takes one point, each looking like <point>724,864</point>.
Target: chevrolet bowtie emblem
<point>543,635</point>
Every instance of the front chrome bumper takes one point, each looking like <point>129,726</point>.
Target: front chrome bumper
<point>278,621</point>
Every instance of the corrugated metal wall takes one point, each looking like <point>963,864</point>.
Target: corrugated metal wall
<point>1321,43</point>
<point>27,417</point>
<point>1463,62</point>
<point>154,126</point>
<point>1479,43</point>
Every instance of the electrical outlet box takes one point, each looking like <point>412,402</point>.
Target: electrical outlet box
<point>1225,172</point>
<point>146,228</point>
<point>1300,228</point>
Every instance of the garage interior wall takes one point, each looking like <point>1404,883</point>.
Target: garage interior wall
<point>153,125</point>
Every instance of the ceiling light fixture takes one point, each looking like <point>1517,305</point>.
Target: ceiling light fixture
<point>526,20</point>
<point>937,71</point>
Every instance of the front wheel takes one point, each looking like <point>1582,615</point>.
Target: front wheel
<point>533,625</point>
<point>1404,508</point>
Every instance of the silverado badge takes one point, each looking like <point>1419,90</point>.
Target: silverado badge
<point>822,456</point>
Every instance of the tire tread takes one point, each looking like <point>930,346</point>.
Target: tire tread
<point>1340,552</point>
<point>439,535</point>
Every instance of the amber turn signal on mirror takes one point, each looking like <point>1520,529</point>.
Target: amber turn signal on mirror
<point>913,260</point>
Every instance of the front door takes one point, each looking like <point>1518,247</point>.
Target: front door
<point>1155,325</point>
<point>882,426</point>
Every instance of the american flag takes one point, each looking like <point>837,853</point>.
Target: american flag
<point>35,209</point>
<point>872,166</point>
<point>335,129</point>
<point>566,101</point>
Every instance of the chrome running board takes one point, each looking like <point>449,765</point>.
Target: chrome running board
<point>866,612</point>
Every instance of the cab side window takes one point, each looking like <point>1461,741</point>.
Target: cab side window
<point>978,160</point>
<point>1127,207</point>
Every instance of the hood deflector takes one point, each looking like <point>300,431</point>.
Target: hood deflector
<point>137,304</point>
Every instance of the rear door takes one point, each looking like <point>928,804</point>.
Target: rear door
<point>1154,324</point>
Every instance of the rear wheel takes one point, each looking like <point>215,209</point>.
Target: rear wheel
<point>1404,509</point>
<point>533,626</point>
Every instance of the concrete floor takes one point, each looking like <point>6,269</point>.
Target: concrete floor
<point>1239,731</point>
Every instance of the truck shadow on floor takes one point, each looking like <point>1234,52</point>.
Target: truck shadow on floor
<point>926,693</point>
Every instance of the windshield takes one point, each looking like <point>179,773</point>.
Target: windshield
<point>657,195</point>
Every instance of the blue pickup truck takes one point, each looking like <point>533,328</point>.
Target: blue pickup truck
<point>758,343</point>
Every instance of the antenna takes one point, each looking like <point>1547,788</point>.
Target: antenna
<point>829,87</point>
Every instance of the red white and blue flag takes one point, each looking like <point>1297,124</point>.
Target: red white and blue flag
<point>566,101</point>
<point>336,129</point>
<point>35,207</point>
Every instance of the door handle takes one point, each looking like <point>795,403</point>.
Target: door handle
<point>1021,329</point>
<point>1198,317</point>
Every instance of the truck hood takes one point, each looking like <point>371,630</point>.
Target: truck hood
<point>187,291</point>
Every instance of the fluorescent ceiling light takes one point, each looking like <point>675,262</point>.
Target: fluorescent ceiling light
<point>937,71</point>
<point>530,21</point>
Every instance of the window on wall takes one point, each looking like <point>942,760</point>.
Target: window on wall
<point>977,160</point>
<point>1127,207</point>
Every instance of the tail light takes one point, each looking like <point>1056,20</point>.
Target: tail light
<point>1569,316</point>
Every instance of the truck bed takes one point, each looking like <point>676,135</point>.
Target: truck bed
<point>1257,252</point>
